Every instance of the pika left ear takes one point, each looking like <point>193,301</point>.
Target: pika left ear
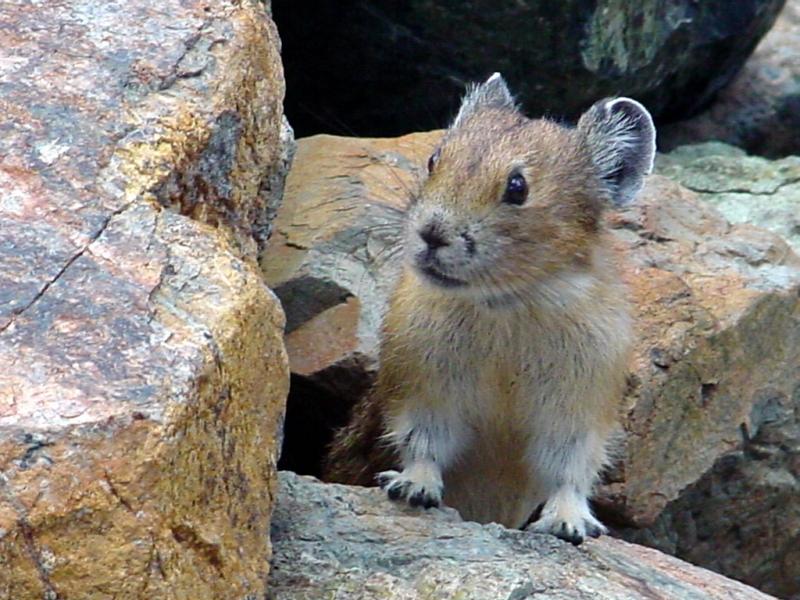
<point>620,134</point>
<point>492,93</point>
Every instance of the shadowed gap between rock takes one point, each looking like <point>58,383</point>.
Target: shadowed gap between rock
<point>312,415</point>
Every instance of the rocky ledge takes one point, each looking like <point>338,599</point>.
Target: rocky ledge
<point>339,542</point>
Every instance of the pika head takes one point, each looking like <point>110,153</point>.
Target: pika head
<point>510,203</point>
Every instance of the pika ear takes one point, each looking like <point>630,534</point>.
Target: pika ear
<point>621,137</point>
<point>492,93</point>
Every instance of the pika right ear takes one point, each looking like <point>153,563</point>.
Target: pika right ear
<point>492,93</point>
<point>621,137</point>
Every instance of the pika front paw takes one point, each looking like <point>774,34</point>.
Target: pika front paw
<point>572,532</point>
<point>567,516</point>
<point>417,486</point>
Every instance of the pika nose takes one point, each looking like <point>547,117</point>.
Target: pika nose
<point>431,235</point>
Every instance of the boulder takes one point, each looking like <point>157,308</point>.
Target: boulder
<point>144,376</point>
<point>335,541</point>
<point>354,67</point>
<point>760,109</point>
<point>716,306</point>
<point>742,517</point>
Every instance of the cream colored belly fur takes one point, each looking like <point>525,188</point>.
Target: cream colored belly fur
<point>491,482</point>
<point>518,444</point>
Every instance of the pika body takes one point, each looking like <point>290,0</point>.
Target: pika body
<point>505,344</point>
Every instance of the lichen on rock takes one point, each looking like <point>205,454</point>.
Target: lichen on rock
<point>745,189</point>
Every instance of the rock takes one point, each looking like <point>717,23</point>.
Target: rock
<point>144,377</point>
<point>413,60</point>
<point>331,262</point>
<point>760,109</point>
<point>741,518</point>
<point>716,307</point>
<point>717,312</point>
<point>335,541</point>
<point>745,189</point>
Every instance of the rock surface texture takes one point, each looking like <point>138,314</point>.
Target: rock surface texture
<point>416,57</point>
<point>717,307</point>
<point>745,189</point>
<point>742,518</point>
<point>143,375</point>
<point>760,109</point>
<point>341,542</point>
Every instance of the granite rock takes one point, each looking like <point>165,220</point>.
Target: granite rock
<point>745,189</point>
<point>741,517</point>
<point>144,375</point>
<point>335,541</point>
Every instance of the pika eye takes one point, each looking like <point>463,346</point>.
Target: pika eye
<point>516,189</point>
<point>434,158</point>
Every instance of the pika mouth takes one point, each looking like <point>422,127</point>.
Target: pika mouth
<point>436,276</point>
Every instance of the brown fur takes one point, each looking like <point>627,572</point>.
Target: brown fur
<point>521,369</point>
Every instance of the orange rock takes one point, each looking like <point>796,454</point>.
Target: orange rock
<point>144,376</point>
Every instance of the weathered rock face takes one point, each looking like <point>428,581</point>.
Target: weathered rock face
<point>143,377</point>
<point>745,189</point>
<point>717,310</point>
<point>760,109</point>
<point>742,518</point>
<point>334,541</point>
<point>414,58</point>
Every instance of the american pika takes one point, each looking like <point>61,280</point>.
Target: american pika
<point>504,346</point>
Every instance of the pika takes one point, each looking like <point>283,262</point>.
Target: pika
<point>505,343</point>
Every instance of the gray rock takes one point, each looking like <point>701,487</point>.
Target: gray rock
<point>742,518</point>
<point>745,189</point>
<point>341,542</point>
<point>393,67</point>
<point>144,377</point>
<point>272,186</point>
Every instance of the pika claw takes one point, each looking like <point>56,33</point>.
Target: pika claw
<point>593,530</point>
<point>397,490</point>
<point>385,478</point>
<point>569,534</point>
<point>561,529</point>
<point>423,498</point>
<point>399,486</point>
<point>570,526</point>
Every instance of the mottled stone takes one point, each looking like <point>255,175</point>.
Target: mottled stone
<point>760,109</point>
<point>716,306</point>
<point>335,541</point>
<point>144,377</point>
<point>366,68</point>
<point>745,189</point>
<point>742,517</point>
